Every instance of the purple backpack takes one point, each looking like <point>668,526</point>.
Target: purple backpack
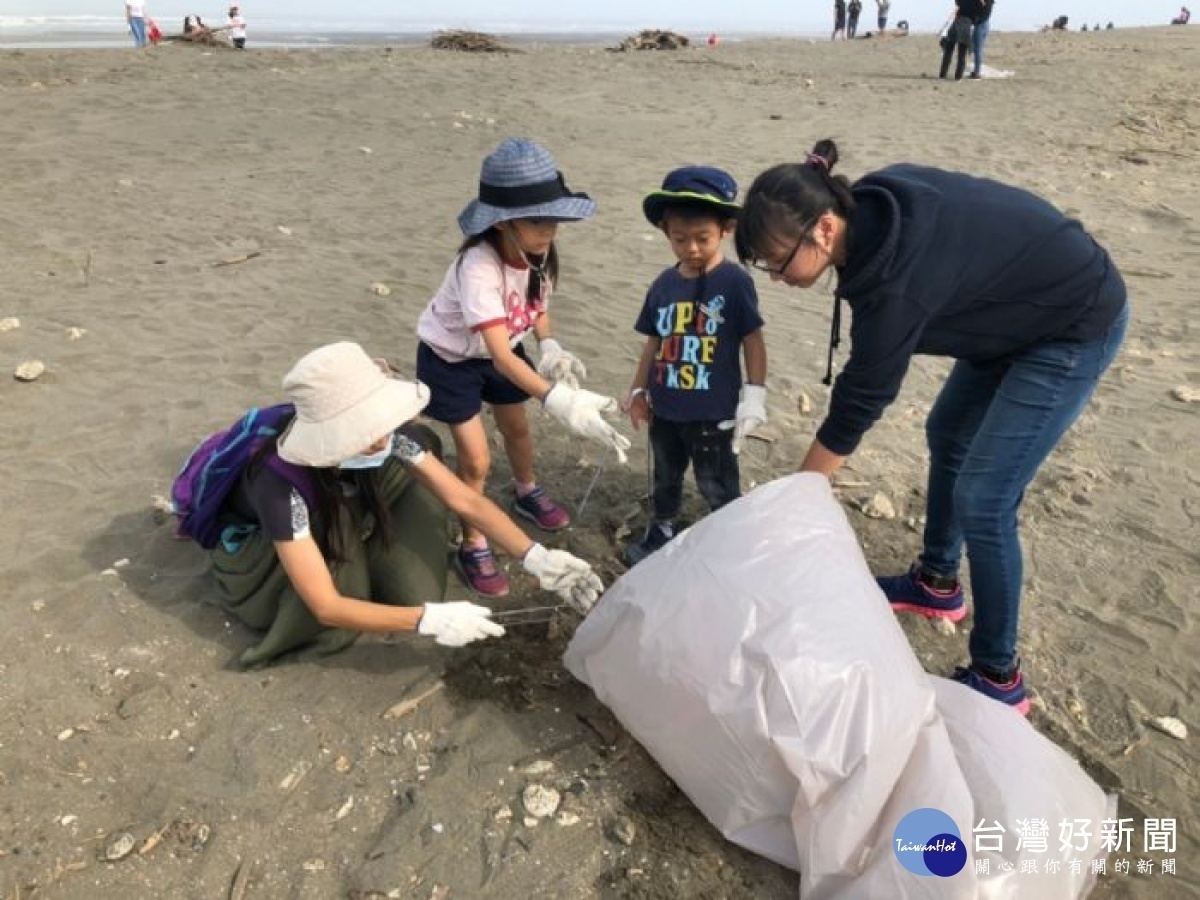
<point>213,469</point>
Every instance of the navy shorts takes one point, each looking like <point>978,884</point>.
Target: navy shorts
<point>459,390</point>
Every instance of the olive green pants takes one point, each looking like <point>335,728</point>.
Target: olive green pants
<point>411,571</point>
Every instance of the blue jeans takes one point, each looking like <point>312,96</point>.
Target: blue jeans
<point>978,38</point>
<point>137,27</point>
<point>989,431</point>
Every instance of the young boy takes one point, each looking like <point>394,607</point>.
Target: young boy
<point>696,317</point>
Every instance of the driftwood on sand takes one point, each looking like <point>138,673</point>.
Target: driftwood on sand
<point>468,42</point>
<point>206,38</point>
<point>652,39</point>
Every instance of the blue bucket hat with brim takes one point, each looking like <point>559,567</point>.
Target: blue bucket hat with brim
<point>519,180</point>
<point>693,186</point>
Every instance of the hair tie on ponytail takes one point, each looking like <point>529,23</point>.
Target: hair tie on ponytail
<point>817,162</point>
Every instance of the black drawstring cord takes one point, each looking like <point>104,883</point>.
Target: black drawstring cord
<point>835,339</point>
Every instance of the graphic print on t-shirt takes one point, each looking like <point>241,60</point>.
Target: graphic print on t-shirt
<point>300,529</point>
<point>689,343</point>
<point>521,314</point>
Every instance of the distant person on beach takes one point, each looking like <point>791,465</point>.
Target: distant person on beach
<point>135,17</point>
<point>839,20</point>
<point>236,26</point>
<point>979,36</point>
<point>1185,16</point>
<point>958,36</point>
<point>338,525</point>
<point>882,9</point>
<point>854,10</point>
<point>496,292</point>
<point>699,316</point>
<point>1028,305</point>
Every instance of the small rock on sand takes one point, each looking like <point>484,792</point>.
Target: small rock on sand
<point>30,370</point>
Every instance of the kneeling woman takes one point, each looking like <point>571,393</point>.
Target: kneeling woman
<point>343,521</point>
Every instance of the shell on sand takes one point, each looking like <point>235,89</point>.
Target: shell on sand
<point>540,801</point>
<point>30,370</point>
<point>1169,725</point>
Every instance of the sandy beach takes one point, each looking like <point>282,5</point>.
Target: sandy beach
<point>178,226</point>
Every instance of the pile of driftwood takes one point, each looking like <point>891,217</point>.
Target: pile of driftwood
<point>468,42</point>
<point>206,38</point>
<point>652,39</point>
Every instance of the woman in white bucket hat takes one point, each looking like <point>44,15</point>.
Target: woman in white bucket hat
<point>338,525</point>
<point>471,335</point>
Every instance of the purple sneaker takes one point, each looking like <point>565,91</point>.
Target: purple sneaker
<point>478,568</point>
<point>1011,692</point>
<point>539,508</point>
<point>908,593</point>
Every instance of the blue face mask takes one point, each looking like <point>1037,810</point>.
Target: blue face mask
<point>369,460</point>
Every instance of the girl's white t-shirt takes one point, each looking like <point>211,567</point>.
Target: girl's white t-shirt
<point>479,291</point>
<point>136,9</point>
<point>237,27</point>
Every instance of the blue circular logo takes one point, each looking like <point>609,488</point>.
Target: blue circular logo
<point>927,842</point>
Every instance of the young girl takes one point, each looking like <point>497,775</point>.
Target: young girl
<point>1025,301</point>
<point>494,293</point>
<point>339,525</point>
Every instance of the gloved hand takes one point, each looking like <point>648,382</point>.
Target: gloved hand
<point>568,576</point>
<point>751,413</point>
<point>580,411</point>
<point>557,365</point>
<point>459,623</point>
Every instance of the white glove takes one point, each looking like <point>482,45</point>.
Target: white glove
<point>580,411</point>
<point>459,623</point>
<point>556,364</point>
<point>751,413</point>
<point>568,576</point>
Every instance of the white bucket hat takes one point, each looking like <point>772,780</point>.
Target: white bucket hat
<point>344,404</point>
<point>520,180</point>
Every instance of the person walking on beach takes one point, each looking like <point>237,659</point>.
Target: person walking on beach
<point>854,10</point>
<point>958,36</point>
<point>697,316</point>
<point>495,292</point>
<point>135,17</point>
<point>883,7</point>
<point>338,525</point>
<point>236,25</point>
<point>839,20</point>
<point>979,36</point>
<point>1031,308</point>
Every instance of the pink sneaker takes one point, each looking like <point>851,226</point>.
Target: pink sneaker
<point>538,507</point>
<point>478,568</point>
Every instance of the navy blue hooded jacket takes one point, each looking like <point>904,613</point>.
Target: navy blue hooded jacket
<point>948,264</point>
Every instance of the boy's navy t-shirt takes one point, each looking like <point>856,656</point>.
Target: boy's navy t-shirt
<point>700,323</point>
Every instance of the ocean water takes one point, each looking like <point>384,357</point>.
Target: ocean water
<point>66,32</point>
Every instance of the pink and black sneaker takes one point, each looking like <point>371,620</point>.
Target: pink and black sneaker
<point>544,512</point>
<point>1010,691</point>
<point>937,597</point>
<point>478,568</point>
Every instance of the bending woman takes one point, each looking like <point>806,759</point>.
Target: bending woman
<point>339,525</point>
<point>1032,309</point>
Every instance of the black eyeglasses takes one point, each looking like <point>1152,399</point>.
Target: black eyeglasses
<point>779,270</point>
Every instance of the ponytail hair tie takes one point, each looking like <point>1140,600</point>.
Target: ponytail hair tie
<point>817,162</point>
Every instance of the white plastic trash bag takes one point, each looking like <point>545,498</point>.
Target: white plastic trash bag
<point>757,661</point>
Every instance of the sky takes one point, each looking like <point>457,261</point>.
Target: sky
<point>789,16</point>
